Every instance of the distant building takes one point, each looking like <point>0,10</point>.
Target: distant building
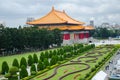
<point>116,26</point>
<point>105,25</point>
<point>73,31</point>
<point>110,26</point>
<point>92,23</point>
<point>29,19</point>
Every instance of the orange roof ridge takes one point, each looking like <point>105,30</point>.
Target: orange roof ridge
<point>73,19</point>
<point>58,16</point>
<point>50,14</point>
<point>68,17</point>
<point>55,17</point>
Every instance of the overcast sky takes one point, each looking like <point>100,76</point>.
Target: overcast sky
<point>15,12</point>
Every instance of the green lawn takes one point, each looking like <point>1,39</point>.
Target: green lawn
<point>10,59</point>
<point>74,67</point>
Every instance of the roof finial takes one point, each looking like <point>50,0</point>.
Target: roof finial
<point>63,11</point>
<point>52,8</point>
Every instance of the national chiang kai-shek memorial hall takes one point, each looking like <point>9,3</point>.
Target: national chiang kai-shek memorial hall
<point>73,31</point>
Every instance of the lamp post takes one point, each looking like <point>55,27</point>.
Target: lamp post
<point>18,73</point>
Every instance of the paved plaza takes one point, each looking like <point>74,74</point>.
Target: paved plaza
<point>104,42</point>
<point>109,68</point>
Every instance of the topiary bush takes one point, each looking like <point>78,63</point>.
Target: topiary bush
<point>12,75</point>
<point>33,68</point>
<point>23,62</point>
<point>15,63</point>
<point>40,65</point>
<point>23,72</point>
<point>5,67</point>
<point>13,70</point>
<point>35,58</point>
<point>30,60</point>
<point>46,62</point>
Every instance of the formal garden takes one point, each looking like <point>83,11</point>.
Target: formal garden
<point>69,62</point>
<point>83,67</point>
<point>22,67</point>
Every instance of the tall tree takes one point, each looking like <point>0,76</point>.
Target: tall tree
<point>57,37</point>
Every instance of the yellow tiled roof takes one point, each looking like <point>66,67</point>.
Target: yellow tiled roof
<point>55,17</point>
<point>89,28</point>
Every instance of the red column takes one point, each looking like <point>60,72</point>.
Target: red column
<point>66,36</point>
<point>87,35</point>
<point>81,35</point>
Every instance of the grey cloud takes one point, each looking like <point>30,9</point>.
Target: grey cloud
<point>15,12</point>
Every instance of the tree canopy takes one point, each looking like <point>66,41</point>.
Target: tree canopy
<point>28,38</point>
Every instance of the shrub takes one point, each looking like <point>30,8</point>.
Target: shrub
<point>52,61</point>
<point>5,67</point>
<point>35,58</point>
<point>99,62</point>
<point>13,70</point>
<point>81,79</point>
<point>15,63</point>
<point>23,72</point>
<point>46,62</point>
<point>33,73</point>
<point>50,54</point>
<point>7,75</point>
<point>61,58</point>
<point>96,66</point>
<point>59,62</point>
<point>48,67</point>
<point>54,66</point>
<point>46,54</point>
<point>23,62</point>
<point>87,75</point>
<point>12,73</point>
<point>42,56</point>
<point>92,69</point>
<point>40,66</point>
<point>30,60</point>
<point>33,68</point>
